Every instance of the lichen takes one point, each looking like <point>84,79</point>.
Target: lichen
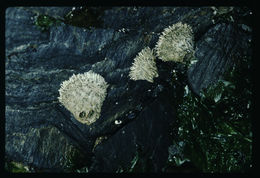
<point>83,95</point>
<point>144,66</point>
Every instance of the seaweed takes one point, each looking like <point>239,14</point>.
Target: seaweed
<point>216,127</point>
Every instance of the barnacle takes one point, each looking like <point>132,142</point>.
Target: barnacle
<point>175,43</point>
<point>144,66</point>
<point>83,95</point>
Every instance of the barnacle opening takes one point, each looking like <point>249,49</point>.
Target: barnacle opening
<point>82,114</point>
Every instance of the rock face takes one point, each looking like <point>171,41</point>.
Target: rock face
<point>146,139</point>
<point>216,51</point>
<point>135,115</point>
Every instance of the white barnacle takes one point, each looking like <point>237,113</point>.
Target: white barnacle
<point>175,43</point>
<point>83,95</point>
<point>144,66</point>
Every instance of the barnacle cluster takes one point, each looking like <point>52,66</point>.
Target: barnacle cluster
<point>176,43</point>
<point>144,66</point>
<point>83,95</point>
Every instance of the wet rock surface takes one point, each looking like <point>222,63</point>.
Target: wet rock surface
<point>135,115</point>
<point>216,51</point>
<point>146,140</point>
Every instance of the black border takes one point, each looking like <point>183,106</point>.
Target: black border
<point>130,3</point>
<point>13,3</point>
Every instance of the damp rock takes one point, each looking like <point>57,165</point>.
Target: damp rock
<point>41,133</point>
<point>215,54</point>
<point>131,115</point>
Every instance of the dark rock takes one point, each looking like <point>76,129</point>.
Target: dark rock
<point>147,136</point>
<point>20,33</point>
<point>216,52</point>
<point>55,12</point>
<point>43,134</point>
<point>21,146</point>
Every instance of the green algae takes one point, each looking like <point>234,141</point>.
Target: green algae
<point>216,127</point>
<point>15,167</point>
<point>44,22</point>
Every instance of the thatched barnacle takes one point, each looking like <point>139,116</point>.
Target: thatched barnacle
<point>176,43</point>
<point>144,66</point>
<point>83,95</point>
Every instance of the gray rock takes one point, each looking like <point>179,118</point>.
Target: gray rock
<point>20,33</point>
<point>41,133</point>
<point>45,152</point>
